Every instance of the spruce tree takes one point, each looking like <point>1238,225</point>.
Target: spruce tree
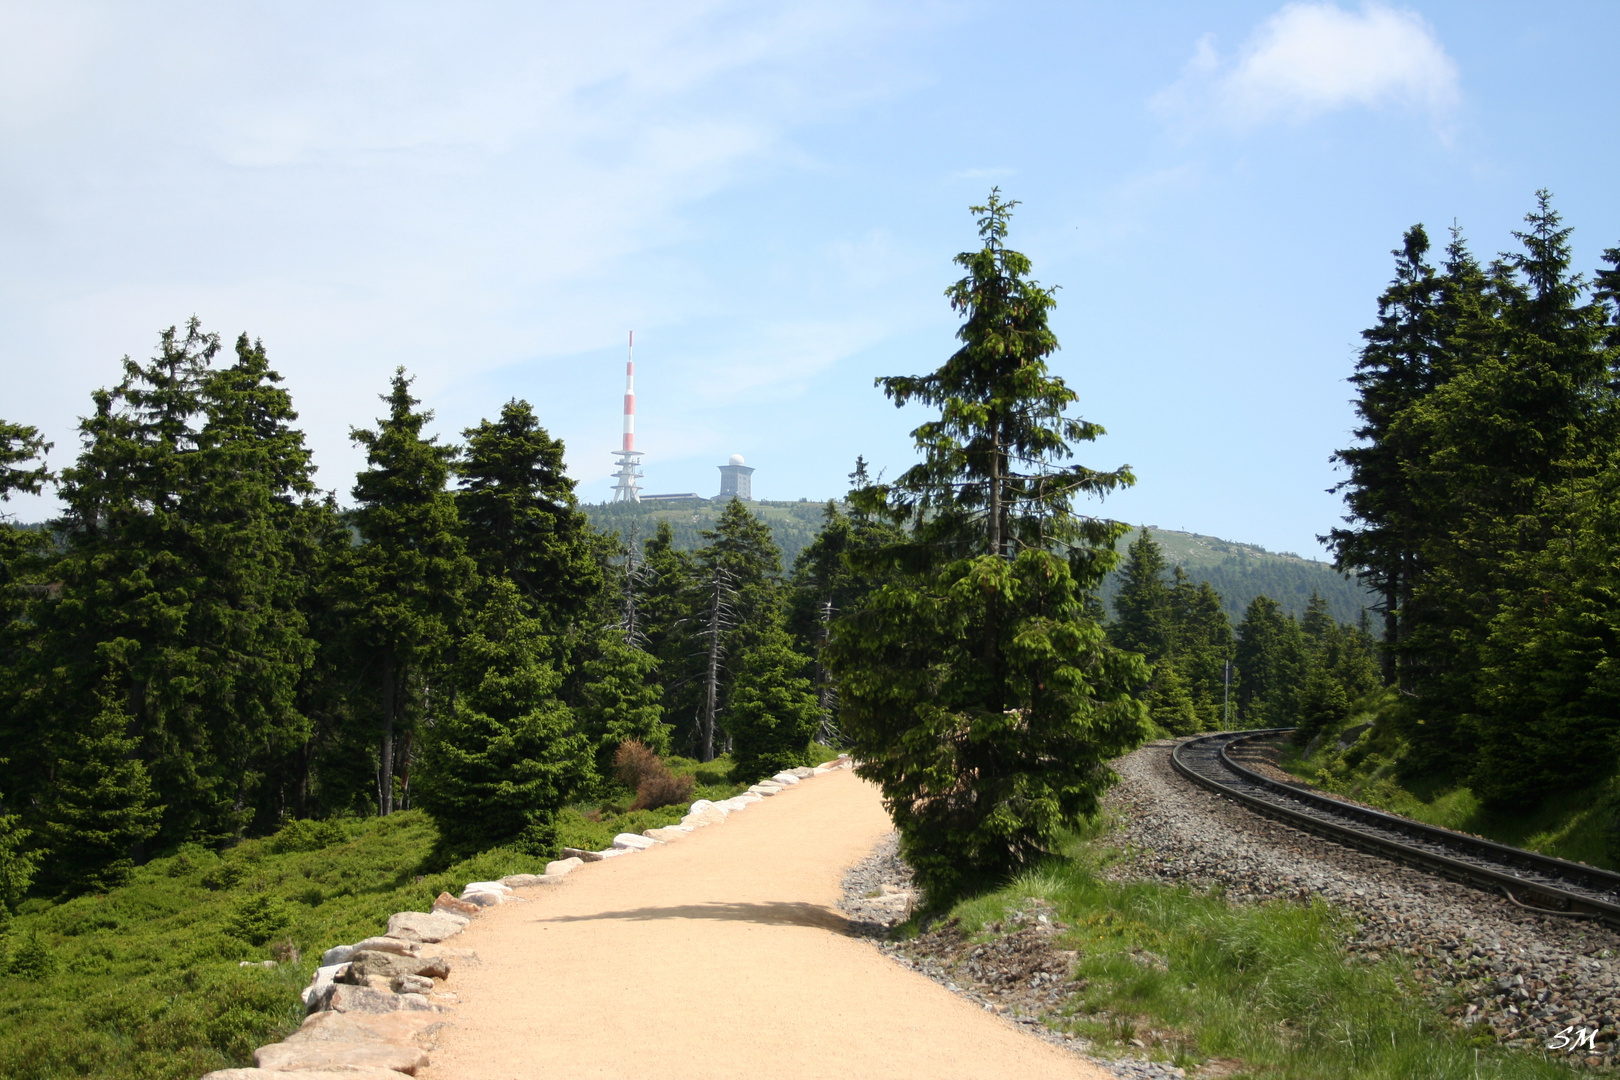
<point>246,510</point>
<point>1272,664</point>
<point>669,623</point>
<point>506,756</point>
<point>1204,647</point>
<point>975,691</point>
<point>833,576</point>
<point>774,711</point>
<point>1142,616</point>
<point>411,573</point>
<point>101,803</point>
<point>1402,361</point>
<point>521,517</point>
<point>620,701</point>
<point>736,603</point>
<point>24,562</point>
<point>1527,407</point>
<point>18,862</point>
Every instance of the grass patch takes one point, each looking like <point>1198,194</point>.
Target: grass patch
<point>1267,990</point>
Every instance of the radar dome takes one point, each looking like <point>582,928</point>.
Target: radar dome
<point>736,459</point>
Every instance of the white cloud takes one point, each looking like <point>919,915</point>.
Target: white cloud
<point>1314,58</point>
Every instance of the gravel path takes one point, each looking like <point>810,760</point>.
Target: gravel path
<point>1524,977</point>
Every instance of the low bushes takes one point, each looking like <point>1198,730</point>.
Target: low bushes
<point>645,773</point>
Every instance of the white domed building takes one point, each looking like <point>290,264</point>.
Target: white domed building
<point>736,480</point>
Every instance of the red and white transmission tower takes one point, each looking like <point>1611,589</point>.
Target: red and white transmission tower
<point>629,458</point>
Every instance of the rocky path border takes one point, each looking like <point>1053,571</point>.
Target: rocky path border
<point>373,1008</point>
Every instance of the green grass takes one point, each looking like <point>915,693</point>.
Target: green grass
<point>144,981</point>
<point>1577,824</point>
<point>1268,987</point>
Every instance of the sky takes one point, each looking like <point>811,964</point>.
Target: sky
<point>770,195</point>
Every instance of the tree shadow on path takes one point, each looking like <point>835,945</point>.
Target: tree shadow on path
<point>772,913</point>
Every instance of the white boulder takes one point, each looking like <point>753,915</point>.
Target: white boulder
<point>324,977</point>
<point>629,841</point>
<point>337,954</point>
<point>559,867</point>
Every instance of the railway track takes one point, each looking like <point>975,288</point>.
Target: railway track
<point>1537,882</point>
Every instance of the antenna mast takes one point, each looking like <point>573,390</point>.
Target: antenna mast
<point>629,458</point>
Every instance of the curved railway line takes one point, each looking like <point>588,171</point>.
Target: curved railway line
<point>1538,882</point>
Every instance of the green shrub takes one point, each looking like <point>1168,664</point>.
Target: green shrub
<point>33,960</point>
<point>773,711</point>
<point>227,875</point>
<point>258,918</point>
<point>306,835</point>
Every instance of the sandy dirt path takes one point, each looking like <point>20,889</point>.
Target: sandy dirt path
<point>718,957</point>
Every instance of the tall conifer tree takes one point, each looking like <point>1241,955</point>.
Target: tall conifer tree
<point>412,572</point>
<point>975,690</point>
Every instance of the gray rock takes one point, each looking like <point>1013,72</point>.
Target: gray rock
<point>581,853</point>
<point>764,790</point>
<point>415,926</point>
<point>402,1028</point>
<point>411,984</point>
<point>389,965</point>
<point>304,1056</point>
<point>709,815</point>
<point>388,944</point>
<point>484,899</point>
<point>1351,735</point>
<point>523,881</point>
<point>628,841</point>
<point>357,1072</point>
<point>786,779</point>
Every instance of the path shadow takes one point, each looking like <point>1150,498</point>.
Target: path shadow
<point>772,913</point>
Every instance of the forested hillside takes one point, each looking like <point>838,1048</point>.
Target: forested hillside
<point>1241,572</point>
<point>793,524</point>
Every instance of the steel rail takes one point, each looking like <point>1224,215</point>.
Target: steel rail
<point>1534,881</point>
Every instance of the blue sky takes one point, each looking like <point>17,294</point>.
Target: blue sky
<point>770,196</point>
